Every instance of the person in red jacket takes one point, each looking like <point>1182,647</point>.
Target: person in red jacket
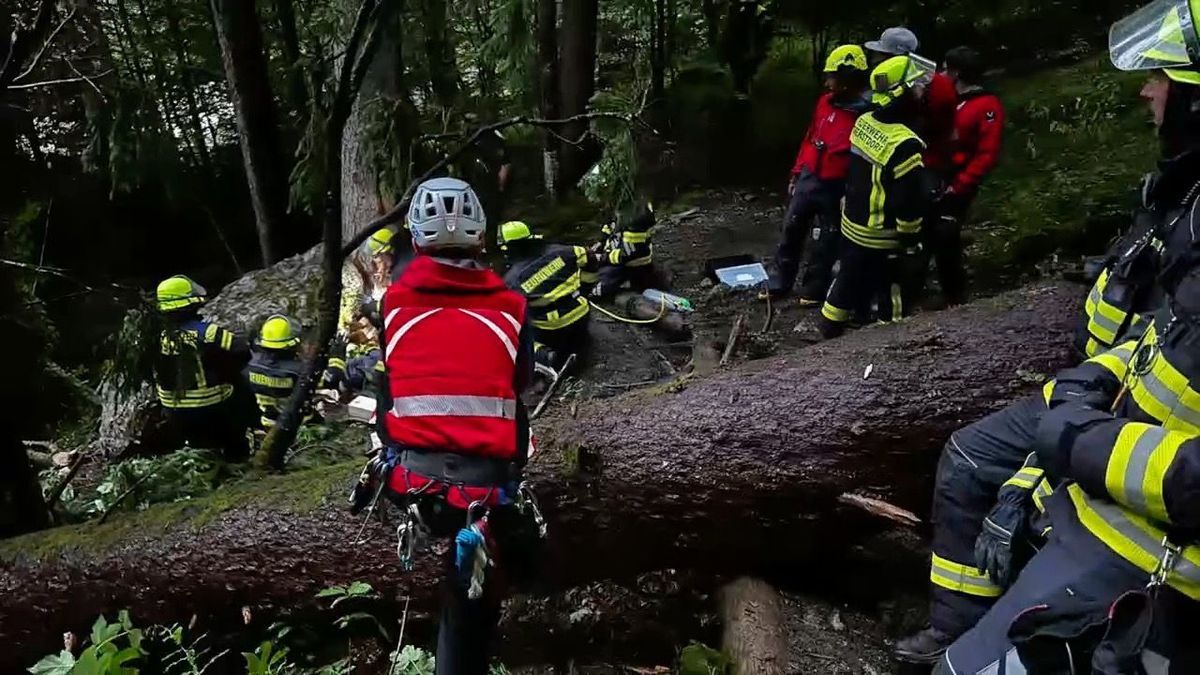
<point>457,354</point>
<point>818,180</point>
<point>974,152</point>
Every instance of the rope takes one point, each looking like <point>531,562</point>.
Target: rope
<point>662,311</point>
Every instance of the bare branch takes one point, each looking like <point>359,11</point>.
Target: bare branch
<point>71,65</point>
<point>397,213</point>
<point>45,45</point>
<point>17,47</point>
<point>60,273</point>
<point>65,80</point>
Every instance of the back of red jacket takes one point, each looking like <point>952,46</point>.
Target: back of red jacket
<point>978,131</point>
<point>825,151</point>
<point>937,122</point>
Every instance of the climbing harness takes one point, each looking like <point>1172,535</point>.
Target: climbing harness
<point>412,535</point>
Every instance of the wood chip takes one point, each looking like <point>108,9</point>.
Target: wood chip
<point>881,508</point>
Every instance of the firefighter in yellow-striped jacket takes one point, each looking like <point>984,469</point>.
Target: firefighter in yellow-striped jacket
<point>627,255</point>
<point>197,373</point>
<point>888,191</point>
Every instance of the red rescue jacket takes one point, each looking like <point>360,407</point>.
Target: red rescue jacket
<point>937,122</point>
<point>825,151</point>
<point>451,343</point>
<point>978,129</point>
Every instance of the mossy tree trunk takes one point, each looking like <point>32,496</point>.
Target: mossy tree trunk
<point>737,472</point>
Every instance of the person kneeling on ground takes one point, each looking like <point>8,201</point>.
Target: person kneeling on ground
<point>628,254</point>
<point>556,280</point>
<point>888,192</point>
<point>818,181</point>
<point>458,353</point>
<point>197,373</point>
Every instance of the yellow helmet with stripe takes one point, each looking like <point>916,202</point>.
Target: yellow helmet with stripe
<point>381,242</point>
<point>180,292</point>
<point>1162,34</point>
<point>897,75</point>
<point>515,230</point>
<point>846,56</point>
<point>278,332</point>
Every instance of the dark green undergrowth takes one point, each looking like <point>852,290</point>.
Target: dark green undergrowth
<point>1077,142</point>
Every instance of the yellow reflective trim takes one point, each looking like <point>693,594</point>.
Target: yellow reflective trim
<point>1138,465</point>
<point>897,303</point>
<point>1115,527</point>
<point>270,381</point>
<point>635,237</point>
<point>961,578</point>
<point>226,340</point>
<point>379,368</point>
<point>1048,391</point>
<point>571,285</point>
<point>614,256</point>
<point>338,364</point>
<point>1041,492</point>
<point>211,332</point>
<point>875,215</point>
<point>836,314</point>
<point>1116,360</point>
<point>869,238</point>
<point>1092,347</point>
<point>909,226</point>
<point>588,277</point>
<point>639,262</point>
<point>194,398</point>
<point>1166,394</point>
<point>539,277</point>
<point>908,165</point>
<point>1026,478</point>
<point>555,321</point>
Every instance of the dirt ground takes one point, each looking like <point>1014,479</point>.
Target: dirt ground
<point>850,634</point>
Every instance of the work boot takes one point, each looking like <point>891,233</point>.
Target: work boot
<point>923,648</point>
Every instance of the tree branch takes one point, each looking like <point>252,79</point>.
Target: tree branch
<point>71,65</point>
<point>351,63</point>
<point>45,45</point>
<point>17,48</point>
<point>65,80</point>
<point>401,208</point>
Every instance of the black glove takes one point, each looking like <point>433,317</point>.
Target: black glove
<point>1005,524</point>
<point>1056,434</point>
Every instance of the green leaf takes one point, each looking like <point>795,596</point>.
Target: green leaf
<point>360,588</point>
<point>55,664</point>
<point>333,591</point>
<point>348,619</point>
<point>125,656</point>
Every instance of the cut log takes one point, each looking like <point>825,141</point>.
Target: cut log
<point>754,634</point>
<point>736,472</point>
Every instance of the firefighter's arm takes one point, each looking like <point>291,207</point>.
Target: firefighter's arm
<point>911,196</point>
<point>1094,383</point>
<point>589,268</point>
<point>226,348</point>
<point>1143,467</point>
<point>987,154</point>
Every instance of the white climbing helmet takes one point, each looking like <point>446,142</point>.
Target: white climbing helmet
<point>445,213</point>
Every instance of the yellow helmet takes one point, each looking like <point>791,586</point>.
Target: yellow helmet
<point>846,56</point>
<point>381,242</point>
<point>278,332</point>
<point>1183,76</point>
<point>515,230</point>
<point>897,75</point>
<point>179,292</point>
<point>1161,34</point>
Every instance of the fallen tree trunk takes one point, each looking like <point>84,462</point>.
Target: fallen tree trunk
<point>739,472</point>
<point>754,636</point>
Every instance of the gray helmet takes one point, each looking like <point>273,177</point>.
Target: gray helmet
<point>445,213</point>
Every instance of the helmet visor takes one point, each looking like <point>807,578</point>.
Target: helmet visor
<point>920,71</point>
<point>1159,35</point>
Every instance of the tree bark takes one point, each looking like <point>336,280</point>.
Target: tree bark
<point>439,50</point>
<point>754,634</point>
<point>577,83</point>
<point>245,63</point>
<point>737,472</point>
<point>658,51</point>
<point>362,201</point>
<point>547,39</point>
<point>285,11</point>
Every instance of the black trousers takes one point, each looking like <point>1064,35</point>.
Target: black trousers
<point>867,278</point>
<point>222,426</point>
<point>573,339</point>
<point>944,243</point>
<point>810,236</point>
<point>975,463</point>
